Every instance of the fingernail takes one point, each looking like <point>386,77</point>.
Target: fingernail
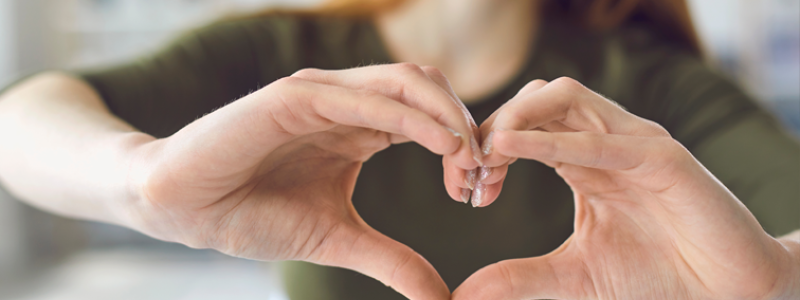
<point>477,194</point>
<point>476,150</point>
<point>487,144</point>
<point>465,194</point>
<point>470,178</point>
<point>453,131</point>
<point>485,173</point>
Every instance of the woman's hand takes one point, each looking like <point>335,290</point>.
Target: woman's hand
<point>650,223</point>
<point>270,176</point>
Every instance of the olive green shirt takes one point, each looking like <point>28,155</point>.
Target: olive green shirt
<point>400,190</point>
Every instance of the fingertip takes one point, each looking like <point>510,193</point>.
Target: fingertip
<point>453,140</point>
<point>490,157</point>
<point>452,187</point>
<point>489,193</point>
<point>475,149</point>
<point>457,176</point>
<point>449,187</point>
<point>466,153</point>
<point>493,174</point>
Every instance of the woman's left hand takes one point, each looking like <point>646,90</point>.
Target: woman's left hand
<point>650,223</point>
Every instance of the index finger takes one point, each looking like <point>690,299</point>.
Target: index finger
<point>409,84</point>
<point>567,102</point>
<point>488,127</point>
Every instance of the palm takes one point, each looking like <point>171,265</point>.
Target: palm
<point>633,228</point>
<point>299,198</point>
<point>619,242</point>
<point>270,176</point>
<point>650,222</point>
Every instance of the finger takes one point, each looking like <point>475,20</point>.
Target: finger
<point>527,89</point>
<point>438,77</point>
<point>657,164</point>
<point>456,193</point>
<point>441,80</point>
<point>577,107</point>
<point>458,182</point>
<point>313,107</point>
<point>552,127</point>
<point>587,149</point>
<point>398,139</point>
<point>238,136</point>
<point>485,194</point>
<point>556,127</point>
<point>487,128</point>
<point>522,279</point>
<point>371,253</point>
<point>470,177</point>
<point>497,158</point>
<point>489,175</point>
<point>409,84</point>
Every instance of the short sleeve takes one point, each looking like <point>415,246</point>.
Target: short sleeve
<point>197,73</point>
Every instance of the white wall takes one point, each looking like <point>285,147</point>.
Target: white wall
<point>760,38</point>
<point>102,32</point>
<point>7,68</point>
<point>11,232</point>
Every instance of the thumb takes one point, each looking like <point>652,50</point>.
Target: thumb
<point>527,278</point>
<point>371,253</point>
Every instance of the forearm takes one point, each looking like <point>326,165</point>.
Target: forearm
<point>63,151</point>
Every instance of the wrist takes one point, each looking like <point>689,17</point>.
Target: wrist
<point>788,287</point>
<point>138,210</point>
<point>135,150</point>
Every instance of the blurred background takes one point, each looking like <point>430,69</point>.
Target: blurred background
<point>756,42</point>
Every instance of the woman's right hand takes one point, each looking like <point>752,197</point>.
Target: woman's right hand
<point>270,176</point>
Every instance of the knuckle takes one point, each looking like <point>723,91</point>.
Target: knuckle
<point>287,83</point>
<point>502,143</point>
<point>567,83</point>
<point>513,118</point>
<point>596,142</point>
<point>308,73</point>
<point>407,68</point>
<point>536,84</point>
<point>433,71</point>
<point>658,130</point>
<point>369,94</point>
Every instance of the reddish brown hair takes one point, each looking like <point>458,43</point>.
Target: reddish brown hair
<point>670,17</point>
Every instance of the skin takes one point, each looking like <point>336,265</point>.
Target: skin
<point>650,222</point>
<point>270,176</point>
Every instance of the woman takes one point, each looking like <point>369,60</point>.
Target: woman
<point>271,175</point>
